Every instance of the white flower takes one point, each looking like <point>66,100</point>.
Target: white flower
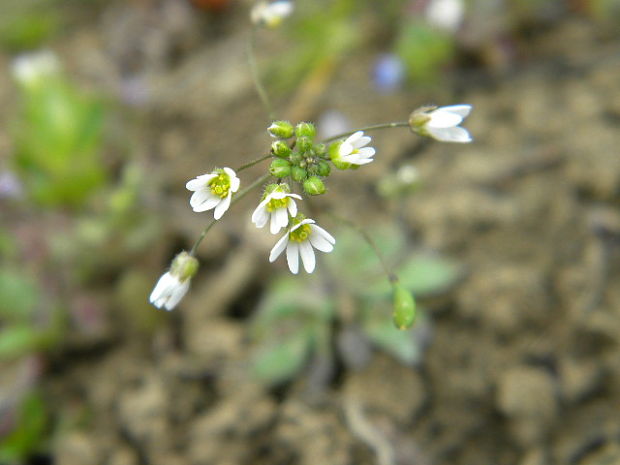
<point>173,285</point>
<point>168,291</point>
<point>31,68</point>
<point>441,123</point>
<point>271,14</point>
<point>446,14</point>
<point>300,240</point>
<point>354,151</point>
<point>213,190</point>
<point>275,208</point>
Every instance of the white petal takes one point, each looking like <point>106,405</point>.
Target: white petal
<point>461,110</point>
<point>176,295</point>
<point>307,256</point>
<point>278,248</point>
<point>277,195</point>
<point>366,152</point>
<point>457,134</point>
<point>323,233</point>
<point>355,159</point>
<point>295,196</point>
<point>361,142</point>
<point>353,137</point>
<point>222,207</point>
<point>162,285</point>
<point>260,215</point>
<point>274,227</point>
<point>320,243</point>
<point>211,202</point>
<point>292,257</point>
<point>199,182</point>
<point>301,223</point>
<point>292,207</point>
<point>443,119</point>
<point>345,149</point>
<point>199,197</point>
<point>282,217</point>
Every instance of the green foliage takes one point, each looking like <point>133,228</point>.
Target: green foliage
<point>57,142</point>
<point>18,296</point>
<point>296,318</point>
<point>26,24</point>
<point>424,50</point>
<point>31,422</point>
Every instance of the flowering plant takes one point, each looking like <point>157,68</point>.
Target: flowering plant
<point>299,169</point>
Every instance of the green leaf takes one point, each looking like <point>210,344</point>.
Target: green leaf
<point>28,433</point>
<point>281,361</point>
<point>19,295</point>
<point>19,340</point>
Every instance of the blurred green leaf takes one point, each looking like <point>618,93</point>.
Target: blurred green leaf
<point>29,431</point>
<point>19,295</point>
<point>16,341</point>
<point>424,50</point>
<point>278,362</point>
<point>400,344</point>
<point>26,24</point>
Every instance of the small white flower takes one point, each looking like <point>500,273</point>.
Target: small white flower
<point>173,285</point>
<point>446,14</point>
<point>299,241</point>
<point>354,151</point>
<point>442,123</point>
<point>168,291</point>
<point>213,190</point>
<point>275,208</point>
<point>271,14</point>
<point>31,68</point>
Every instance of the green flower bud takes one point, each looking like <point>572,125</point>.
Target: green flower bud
<point>305,130</point>
<point>419,117</point>
<point>280,168</point>
<point>304,144</point>
<point>404,308</point>
<point>314,186</point>
<point>280,149</point>
<point>298,174</point>
<point>334,155</point>
<point>295,158</point>
<point>184,266</point>
<point>324,169</point>
<point>320,150</point>
<point>281,129</point>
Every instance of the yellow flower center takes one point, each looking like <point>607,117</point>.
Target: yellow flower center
<point>301,234</point>
<point>220,185</point>
<point>276,204</point>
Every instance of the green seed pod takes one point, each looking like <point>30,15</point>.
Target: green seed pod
<point>281,129</point>
<point>298,174</point>
<point>305,130</point>
<point>404,308</point>
<point>314,186</point>
<point>324,169</point>
<point>304,144</point>
<point>280,149</point>
<point>280,168</point>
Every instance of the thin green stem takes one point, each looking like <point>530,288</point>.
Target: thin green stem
<point>262,93</point>
<point>391,276</point>
<point>253,162</point>
<point>235,199</point>
<point>396,124</point>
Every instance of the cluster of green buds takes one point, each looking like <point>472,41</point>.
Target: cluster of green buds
<point>298,156</point>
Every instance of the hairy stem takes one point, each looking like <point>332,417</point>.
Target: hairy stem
<point>253,162</point>
<point>262,93</point>
<point>395,124</point>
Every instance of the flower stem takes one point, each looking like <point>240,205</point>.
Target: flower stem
<point>391,276</point>
<point>395,124</point>
<point>262,93</point>
<point>253,162</point>
<point>236,198</point>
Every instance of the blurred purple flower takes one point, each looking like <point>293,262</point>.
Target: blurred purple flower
<point>388,73</point>
<point>10,186</point>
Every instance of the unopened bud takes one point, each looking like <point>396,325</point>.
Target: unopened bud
<point>298,173</point>
<point>404,308</point>
<point>324,169</point>
<point>184,266</point>
<point>314,186</point>
<point>280,168</point>
<point>305,130</point>
<point>281,129</point>
<point>280,149</point>
<point>304,144</point>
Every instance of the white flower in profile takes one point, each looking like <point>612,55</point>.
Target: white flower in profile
<point>352,151</point>
<point>271,14</point>
<point>213,190</point>
<point>278,203</point>
<point>441,123</point>
<point>174,284</point>
<point>301,240</point>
